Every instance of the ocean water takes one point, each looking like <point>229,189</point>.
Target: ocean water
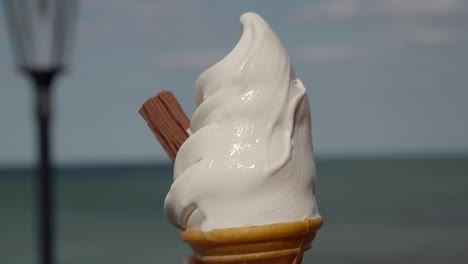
<point>375,211</point>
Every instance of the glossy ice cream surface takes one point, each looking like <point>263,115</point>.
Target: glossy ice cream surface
<point>249,158</point>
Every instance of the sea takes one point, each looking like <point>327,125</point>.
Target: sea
<point>411,210</point>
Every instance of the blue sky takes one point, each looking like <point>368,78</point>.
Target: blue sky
<point>383,77</point>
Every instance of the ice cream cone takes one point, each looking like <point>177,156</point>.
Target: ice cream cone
<point>282,243</point>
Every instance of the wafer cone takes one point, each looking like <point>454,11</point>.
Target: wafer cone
<point>282,243</point>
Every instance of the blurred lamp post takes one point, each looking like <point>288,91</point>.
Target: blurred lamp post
<point>41,33</point>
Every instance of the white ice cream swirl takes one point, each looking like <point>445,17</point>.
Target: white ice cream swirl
<point>249,159</point>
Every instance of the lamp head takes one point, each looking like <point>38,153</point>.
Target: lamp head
<point>41,31</point>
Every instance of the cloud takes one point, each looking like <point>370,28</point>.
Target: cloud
<point>403,38</point>
<point>416,8</point>
<point>382,27</point>
<point>195,60</point>
<point>330,53</point>
<point>343,10</point>
<point>140,18</point>
<point>416,35</point>
<point>139,8</point>
<point>334,9</point>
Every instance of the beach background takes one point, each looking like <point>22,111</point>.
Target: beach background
<point>376,211</point>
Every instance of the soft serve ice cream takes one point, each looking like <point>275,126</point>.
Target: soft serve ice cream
<point>248,160</point>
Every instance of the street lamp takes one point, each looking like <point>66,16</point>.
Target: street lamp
<point>41,33</point>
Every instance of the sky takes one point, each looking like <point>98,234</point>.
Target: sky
<point>384,78</point>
